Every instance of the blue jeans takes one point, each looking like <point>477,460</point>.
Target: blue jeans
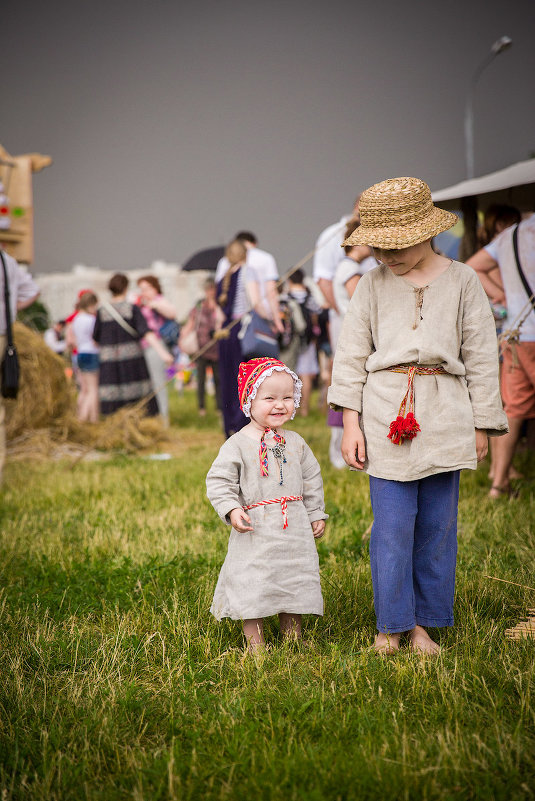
<point>413,551</point>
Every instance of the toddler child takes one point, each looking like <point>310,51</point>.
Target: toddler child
<point>418,332</point>
<point>268,487</point>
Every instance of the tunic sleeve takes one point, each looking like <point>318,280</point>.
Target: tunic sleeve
<point>354,346</point>
<point>223,482</point>
<point>312,486</point>
<point>479,351</point>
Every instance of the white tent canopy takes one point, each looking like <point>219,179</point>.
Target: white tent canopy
<point>514,185</point>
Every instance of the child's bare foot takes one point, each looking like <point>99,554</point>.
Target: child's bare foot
<point>421,642</point>
<point>297,639</point>
<point>386,644</point>
<point>256,648</point>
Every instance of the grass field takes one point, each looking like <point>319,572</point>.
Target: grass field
<point>116,683</point>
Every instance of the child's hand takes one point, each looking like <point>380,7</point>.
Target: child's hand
<point>240,520</point>
<point>318,529</point>
<point>482,444</point>
<point>353,447</point>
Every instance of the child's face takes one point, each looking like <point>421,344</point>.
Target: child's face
<point>274,402</point>
<point>403,260</point>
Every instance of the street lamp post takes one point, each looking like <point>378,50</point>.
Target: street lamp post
<point>499,46</point>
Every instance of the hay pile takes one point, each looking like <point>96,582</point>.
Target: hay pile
<point>523,630</point>
<point>42,421</point>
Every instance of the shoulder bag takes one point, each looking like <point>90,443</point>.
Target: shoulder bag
<point>10,368</point>
<point>529,291</point>
<point>258,336</point>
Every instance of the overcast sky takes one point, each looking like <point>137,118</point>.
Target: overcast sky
<point>174,124</point>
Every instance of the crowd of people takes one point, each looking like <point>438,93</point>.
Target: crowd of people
<point>395,325</point>
<point>119,355</point>
<point>117,352</point>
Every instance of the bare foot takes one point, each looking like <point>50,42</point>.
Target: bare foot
<point>297,639</point>
<point>421,642</point>
<point>256,648</point>
<point>386,644</point>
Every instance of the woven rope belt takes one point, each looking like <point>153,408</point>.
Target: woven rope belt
<point>407,427</point>
<point>283,502</point>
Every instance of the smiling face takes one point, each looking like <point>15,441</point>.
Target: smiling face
<point>404,260</point>
<point>274,403</point>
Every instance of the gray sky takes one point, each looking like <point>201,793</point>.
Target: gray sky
<point>172,125</point>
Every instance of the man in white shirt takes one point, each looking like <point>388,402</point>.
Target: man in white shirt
<point>22,293</point>
<point>518,368</point>
<point>262,269</point>
<point>329,253</point>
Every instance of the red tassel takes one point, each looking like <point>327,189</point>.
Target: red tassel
<point>403,428</point>
<point>396,430</point>
<point>411,426</point>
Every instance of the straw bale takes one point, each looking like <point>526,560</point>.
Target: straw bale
<point>44,393</point>
<point>42,421</point>
<point>525,629</point>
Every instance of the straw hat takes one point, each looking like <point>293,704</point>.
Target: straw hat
<point>398,213</point>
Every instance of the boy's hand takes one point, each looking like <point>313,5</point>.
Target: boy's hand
<point>318,529</point>
<point>240,520</point>
<point>482,444</point>
<point>353,447</point>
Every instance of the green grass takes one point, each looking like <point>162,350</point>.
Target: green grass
<point>116,683</point>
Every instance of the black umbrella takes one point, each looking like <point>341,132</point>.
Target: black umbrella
<point>205,259</point>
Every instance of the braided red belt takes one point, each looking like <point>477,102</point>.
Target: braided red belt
<point>407,427</point>
<point>283,502</point>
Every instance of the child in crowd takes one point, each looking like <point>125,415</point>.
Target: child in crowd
<point>269,488</point>
<point>419,331</point>
<point>81,340</point>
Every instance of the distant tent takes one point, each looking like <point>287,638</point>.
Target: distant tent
<point>514,185</point>
<point>205,259</point>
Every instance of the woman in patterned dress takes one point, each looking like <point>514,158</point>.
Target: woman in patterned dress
<point>119,329</point>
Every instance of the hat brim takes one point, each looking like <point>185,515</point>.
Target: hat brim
<point>403,236</point>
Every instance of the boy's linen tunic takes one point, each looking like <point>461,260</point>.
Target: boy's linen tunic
<point>268,570</point>
<point>454,329</point>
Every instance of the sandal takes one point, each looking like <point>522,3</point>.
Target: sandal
<point>496,492</point>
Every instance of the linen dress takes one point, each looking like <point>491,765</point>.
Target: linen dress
<point>384,327</point>
<point>270,569</point>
